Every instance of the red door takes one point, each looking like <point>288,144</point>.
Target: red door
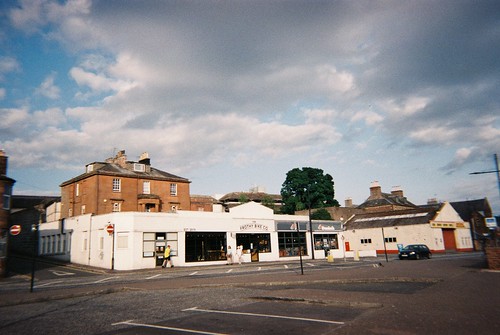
<point>449,239</point>
<point>347,247</point>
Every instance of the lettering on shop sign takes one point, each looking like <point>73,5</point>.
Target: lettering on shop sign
<point>321,227</point>
<point>189,229</point>
<point>254,226</point>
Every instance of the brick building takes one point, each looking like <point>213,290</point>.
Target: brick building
<point>119,185</point>
<point>379,201</point>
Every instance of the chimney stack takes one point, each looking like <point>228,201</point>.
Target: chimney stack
<point>348,202</point>
<point>3,163</point>
<point>375,190</point>
<point>144,159</point>
<point>397,191</point>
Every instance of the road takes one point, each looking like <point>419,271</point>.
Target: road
<point>452,294</point>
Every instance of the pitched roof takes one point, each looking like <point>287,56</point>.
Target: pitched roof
<point>30,201</point>
<point>113,169</point>
<point>252,196</point>
<point>387,199</point>
<point>466,208</point>
<point>421,215</point>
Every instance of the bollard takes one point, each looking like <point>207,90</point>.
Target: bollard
<point>356,255</point>
<point>330,257</point>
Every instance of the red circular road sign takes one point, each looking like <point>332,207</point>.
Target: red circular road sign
<point>15,230</point>
<point>110,229</point>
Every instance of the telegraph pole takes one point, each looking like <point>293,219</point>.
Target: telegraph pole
<point>495,158</point>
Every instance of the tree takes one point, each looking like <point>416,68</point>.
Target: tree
<point>321,214</point>
<point>307,188</point>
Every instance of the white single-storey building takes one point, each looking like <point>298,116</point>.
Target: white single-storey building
<point>137,240</point>
<point>440,227</point>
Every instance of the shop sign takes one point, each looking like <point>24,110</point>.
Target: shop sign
<point>443,225</point>
<point>254,226</point>
<point>491,222</point>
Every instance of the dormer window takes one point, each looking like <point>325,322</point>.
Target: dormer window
<point>90,168</point>
<point>138,167</point>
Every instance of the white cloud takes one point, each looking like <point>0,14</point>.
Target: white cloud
<point>48,117</point>
<point>368,117</point>
<point>437,135</point>
<point>334,80</point>
<point>320,116</point>
<point>99,82</point>
<point>48,89</point>
<point>30,15</point>
<point>13,118</point>
<point>410,106</point>
<point>8,64</point>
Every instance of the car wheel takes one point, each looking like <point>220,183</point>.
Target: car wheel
<point>429,255</point>
<point>418,256</point>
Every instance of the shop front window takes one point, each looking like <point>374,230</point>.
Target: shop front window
<point>326,241</point>
<point>289,243</point>
<point>205,247</point>
<point>256,242</point>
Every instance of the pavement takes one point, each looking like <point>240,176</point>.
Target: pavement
<point>455,294</point>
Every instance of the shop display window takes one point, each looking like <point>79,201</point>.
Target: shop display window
<point>204,247</point>
<point>289,243</point>
<point>255,242</point>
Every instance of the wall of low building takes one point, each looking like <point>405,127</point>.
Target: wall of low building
<point>90,244</point>
<point>463,238</point>
<point>372,238</point>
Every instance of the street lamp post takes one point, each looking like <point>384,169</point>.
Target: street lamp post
<point>310,221</point>
<point>35,236</point>
<point>300,248</point>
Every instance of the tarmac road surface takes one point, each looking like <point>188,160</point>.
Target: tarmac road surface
<point>444,295</point>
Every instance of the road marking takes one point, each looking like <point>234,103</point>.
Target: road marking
<point>196,309</point>
<point>103,280</point>
<point>192,274</point>
<point>286,266</point>
<point>51,283</point>
<point>153,276</point>
<point>311,264</point>
<point>260,268</point>
<point>228,271</point>
<point>61,273</point>
<point>131,323</point>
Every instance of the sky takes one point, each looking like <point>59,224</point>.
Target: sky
<point>234,94</point>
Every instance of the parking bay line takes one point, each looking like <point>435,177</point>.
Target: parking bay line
<point>51,283</point>
<point>103,280</point>
<point>130,323</point>
<point>196,309</point>
<point>153,276</point>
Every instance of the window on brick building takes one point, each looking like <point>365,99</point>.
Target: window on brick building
<point>117,185</point>
<point>116,207</point>
<point>173,189</point>
<point>146,187</point>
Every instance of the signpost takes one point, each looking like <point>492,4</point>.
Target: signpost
<point>15,230</point>
<point>110,229</point>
